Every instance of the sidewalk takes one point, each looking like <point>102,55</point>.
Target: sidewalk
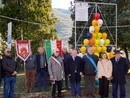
<point>66,93</point>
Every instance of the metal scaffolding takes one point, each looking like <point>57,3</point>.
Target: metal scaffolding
<point>96,8</point>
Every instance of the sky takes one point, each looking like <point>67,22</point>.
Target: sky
<point>64,4</point>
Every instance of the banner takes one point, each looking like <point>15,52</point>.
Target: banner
<point>9,38</point>
<point>81,11</point>
<point>51,45</point>
<point>23,49</point>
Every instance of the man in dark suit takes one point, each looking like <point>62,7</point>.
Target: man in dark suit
<point>120,69</point>
<point>41,68</point>
<point>75,72</point>
<point>66,55</point>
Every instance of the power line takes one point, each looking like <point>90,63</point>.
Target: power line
<point>35,23</point>
<point>121,26</point>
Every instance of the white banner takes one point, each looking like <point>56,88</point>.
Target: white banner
<point>9,38</point>
<point>81,11</point>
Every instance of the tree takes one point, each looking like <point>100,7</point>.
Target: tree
<point>38,11</point>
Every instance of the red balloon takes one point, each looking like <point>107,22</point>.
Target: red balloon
<point>96,16</point>
<point>91,42</point>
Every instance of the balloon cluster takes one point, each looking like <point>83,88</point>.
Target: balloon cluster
<point>96,39</point>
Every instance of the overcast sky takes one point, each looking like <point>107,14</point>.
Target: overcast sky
<point>64,4</point>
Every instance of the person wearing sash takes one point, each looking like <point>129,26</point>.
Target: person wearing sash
<point>120,70</point>
<point>90,70</point>
<point>56,72</point>
<point>75,71</point>
<point>104,74</point>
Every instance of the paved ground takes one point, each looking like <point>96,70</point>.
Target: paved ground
<point>66,93</point>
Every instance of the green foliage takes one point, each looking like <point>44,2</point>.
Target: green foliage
<point>38,11</point>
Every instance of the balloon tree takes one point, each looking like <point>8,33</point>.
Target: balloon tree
<point>97,40</point>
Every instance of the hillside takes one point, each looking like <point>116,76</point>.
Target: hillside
<point>64,26</point>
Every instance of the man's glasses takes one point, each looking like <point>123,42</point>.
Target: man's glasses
<point>8,51</point>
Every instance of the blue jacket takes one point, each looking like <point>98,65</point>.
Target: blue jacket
<point>120,70</point>
<point>38,67</point>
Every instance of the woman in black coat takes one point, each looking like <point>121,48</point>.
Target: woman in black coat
<point>74,72</point>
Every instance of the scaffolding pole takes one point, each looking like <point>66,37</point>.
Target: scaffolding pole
<point>99,3</point>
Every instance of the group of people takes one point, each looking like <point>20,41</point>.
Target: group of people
<point>69,67</point>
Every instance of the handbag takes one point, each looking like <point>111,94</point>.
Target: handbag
<point>111,77</point>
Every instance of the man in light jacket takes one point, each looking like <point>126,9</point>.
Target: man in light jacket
<point>56,72</point>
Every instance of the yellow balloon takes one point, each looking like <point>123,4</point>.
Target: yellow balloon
<point>104,48</point>
<point>97,42</point>
<point>97,54</point>
<point>111,55</point>
<point>104,35</point>
<point>94,36</point>
<point>99,35</point>
<point>107,42</point>
<point>83,49</point>
<point>94,48</point>
<point>129,71</point>
<point>94,23</point>
<point>97,29</point>
<point>86,42</point>
<point>98,49</point>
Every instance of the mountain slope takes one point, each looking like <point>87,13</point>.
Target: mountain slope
<point>64,26</point>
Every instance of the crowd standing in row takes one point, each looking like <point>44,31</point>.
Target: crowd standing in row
<point>71,67</point>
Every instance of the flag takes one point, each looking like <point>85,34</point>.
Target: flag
<point>9,38</point>
<point>51,45</point>
<point>23,49</point>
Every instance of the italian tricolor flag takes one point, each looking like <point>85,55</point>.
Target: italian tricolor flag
<point>51,45</point>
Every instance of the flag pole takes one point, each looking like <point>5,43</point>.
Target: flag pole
<point>24,63</point>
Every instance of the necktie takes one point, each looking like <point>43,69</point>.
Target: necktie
<point>117,60</point>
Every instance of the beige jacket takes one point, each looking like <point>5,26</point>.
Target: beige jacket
<point>104,68</point>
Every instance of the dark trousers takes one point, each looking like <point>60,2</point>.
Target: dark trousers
<point>57,84</point>
<point>90,84</point>
<point>42,73</point>
<point>30,79</point>
<point>75,86</point>
<point>103,87</point>
<point>75,89</point>
<point>9,86</point>
<point>122,90</point>
<point>66,81</point>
